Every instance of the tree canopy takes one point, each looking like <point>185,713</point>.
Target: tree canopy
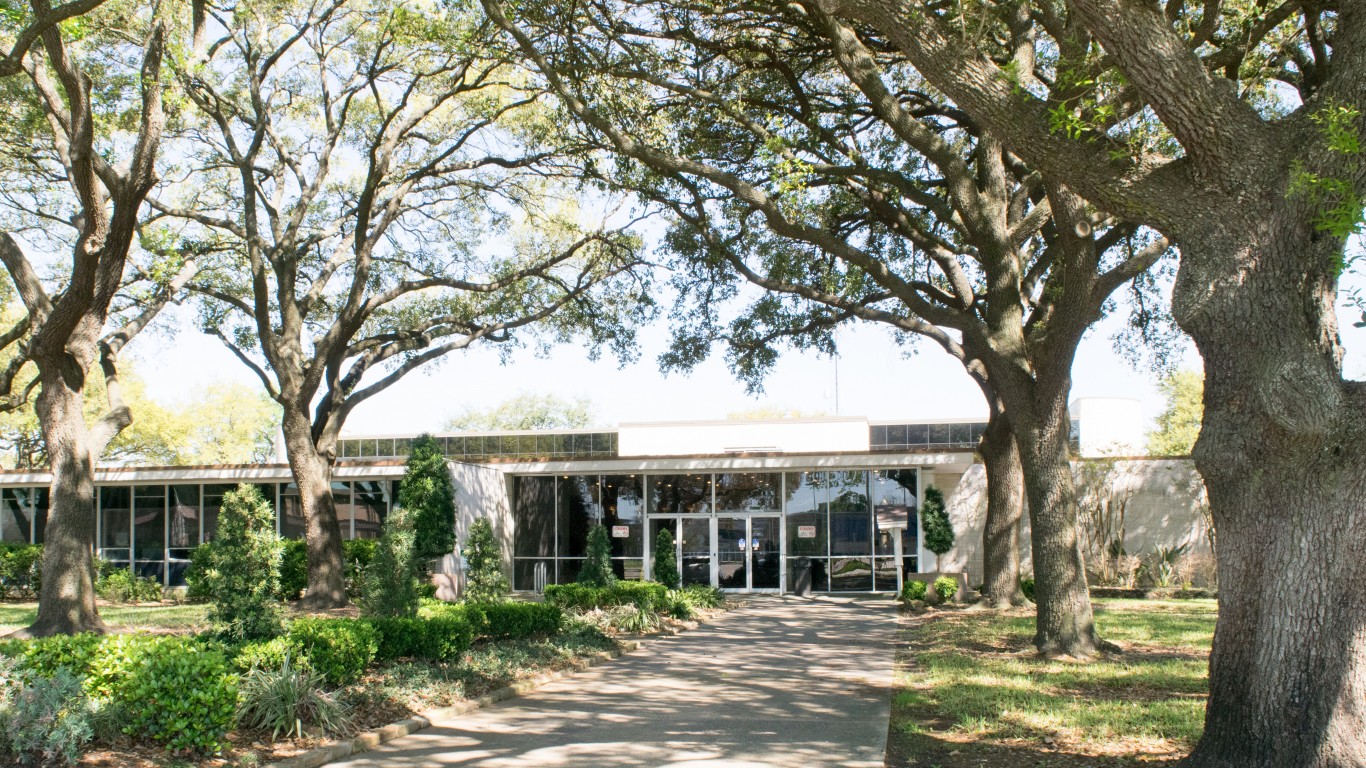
<point>1178,425</point>
<point>526,411</point>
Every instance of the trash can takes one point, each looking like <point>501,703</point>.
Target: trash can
<point>801,577</point>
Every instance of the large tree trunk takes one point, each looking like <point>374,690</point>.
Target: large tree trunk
<point>1005,506</point>
<point>1283,454</point>
<point>66,603</point>
<point>1042,427</point>
<point>313,474</point>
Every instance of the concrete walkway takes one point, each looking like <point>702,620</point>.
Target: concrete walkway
<point>781,681</point>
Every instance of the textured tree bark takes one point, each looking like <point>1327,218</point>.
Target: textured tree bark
<point>1283,454</point>
<point>1005,507</point>
<point>66,602</point>
<point>313,473</point>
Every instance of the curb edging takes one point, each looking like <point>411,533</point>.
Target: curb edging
<point>367,741</point>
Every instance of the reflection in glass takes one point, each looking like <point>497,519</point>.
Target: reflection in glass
<point>577,499</point>
<point>533,517</point>
<point>657,525</point>
<point>765,557</point>
<point>680,494</point>
<point>850,515</point>
<point>811,570</point>
<point>116,536</point>
<point>732,549</point>
<point>149,530</point>
<point>851,574</point>
<point>292,523</point>
<point>884,574</point>
<point>623,506</point>
<point>16,515</point>
<point>894,499</point>
<point>341,500</point>
<point>748,492</point>
<point>806,510</point>
<point>370,505</point>
<point>182,532</point>
<point>526,572</point>
<point>695,545</point>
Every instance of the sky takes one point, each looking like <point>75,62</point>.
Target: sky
<point>876,379</point>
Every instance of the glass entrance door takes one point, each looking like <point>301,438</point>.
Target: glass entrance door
<point>695,550</point>
<point>748,556</point>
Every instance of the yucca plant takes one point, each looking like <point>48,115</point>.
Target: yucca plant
<point>287,699</point>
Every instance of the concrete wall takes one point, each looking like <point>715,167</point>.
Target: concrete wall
<point>482,492</point>
<point>1164,503</point>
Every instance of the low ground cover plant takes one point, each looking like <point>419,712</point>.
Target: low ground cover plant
<point>21,571</point>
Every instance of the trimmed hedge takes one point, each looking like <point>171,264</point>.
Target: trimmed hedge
<point>518,620</point>
<point>439,638</point>
<point>648,595</point>
<point>341,649</point>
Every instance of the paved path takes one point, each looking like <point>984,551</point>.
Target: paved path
<point>781,681</point>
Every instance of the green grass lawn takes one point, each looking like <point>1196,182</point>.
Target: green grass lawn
<point>970,690</point>
<point>169,616</point>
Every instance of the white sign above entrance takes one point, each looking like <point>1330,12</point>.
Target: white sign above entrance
<point>621,531</point>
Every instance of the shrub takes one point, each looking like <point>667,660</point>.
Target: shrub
<point>439,638</point>
<point>45,655</point>
<point>665,569</point>
<point>21,569</point>
<point>484,578</point>
<point>946,587</point>
<point>357,554</point>
<point>183,696</point>
<point>270,654</point>
<point>115,658</point>
<point>243,577</point>
<point>293,569</point>
<point>519,620</point>
<point>196,587</point>
<point>1027,586</point>
<point>678,605</point>
<point>649,595</point>
<point>934,522</point>
<point>390,581</point>
<point>703,596</point>
<point>288,697</point>
<point>914,590</point>
<point>120,585</point>
<point>428,494</point>
<point>597,563</point>
<point>340,649</point>
<point>46,718</point>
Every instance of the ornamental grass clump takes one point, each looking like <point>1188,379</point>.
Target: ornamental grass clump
<point>242,577</point>
<point>287,699</point>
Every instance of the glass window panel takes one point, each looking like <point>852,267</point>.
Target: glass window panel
<point>292,523</point>
<point>896,435</point>
<point>525,572</point>
<point>40,505</point>
<point>349,449</point>
<point>404,446</point>
<point>820,576</point>
<point>680,494</point>
<point>960,434</point>
<point>366,448</point>
<point>753,492</point>
<point>658,524</point>
<point>533,514</point>
<point>629,568</point>
<point>567,571</point>
<point>851,574</point>
<point>940,434</point>
<point>370,504</point>
<point>16,515</point>
<point>612,443</point>
<point>213,502</point>
<point>385,448</point>
<point>116,543</point>
<point>877,436</point>
<point>695,540</point>
<point>917,434</point>
<point>977,430</point>
<point>850,514</point>
<point>623,506</point>
<point>183,529</point>
<point>884,574</point>
<point>577,499</point>
<point>526,445</point>
<point>806,508</point>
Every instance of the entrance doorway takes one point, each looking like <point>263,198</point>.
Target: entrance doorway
<point>748,553</point>
<point>735,553</point>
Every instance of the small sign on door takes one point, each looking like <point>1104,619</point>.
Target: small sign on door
<point>806,531</point>
<point>621,531</point>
